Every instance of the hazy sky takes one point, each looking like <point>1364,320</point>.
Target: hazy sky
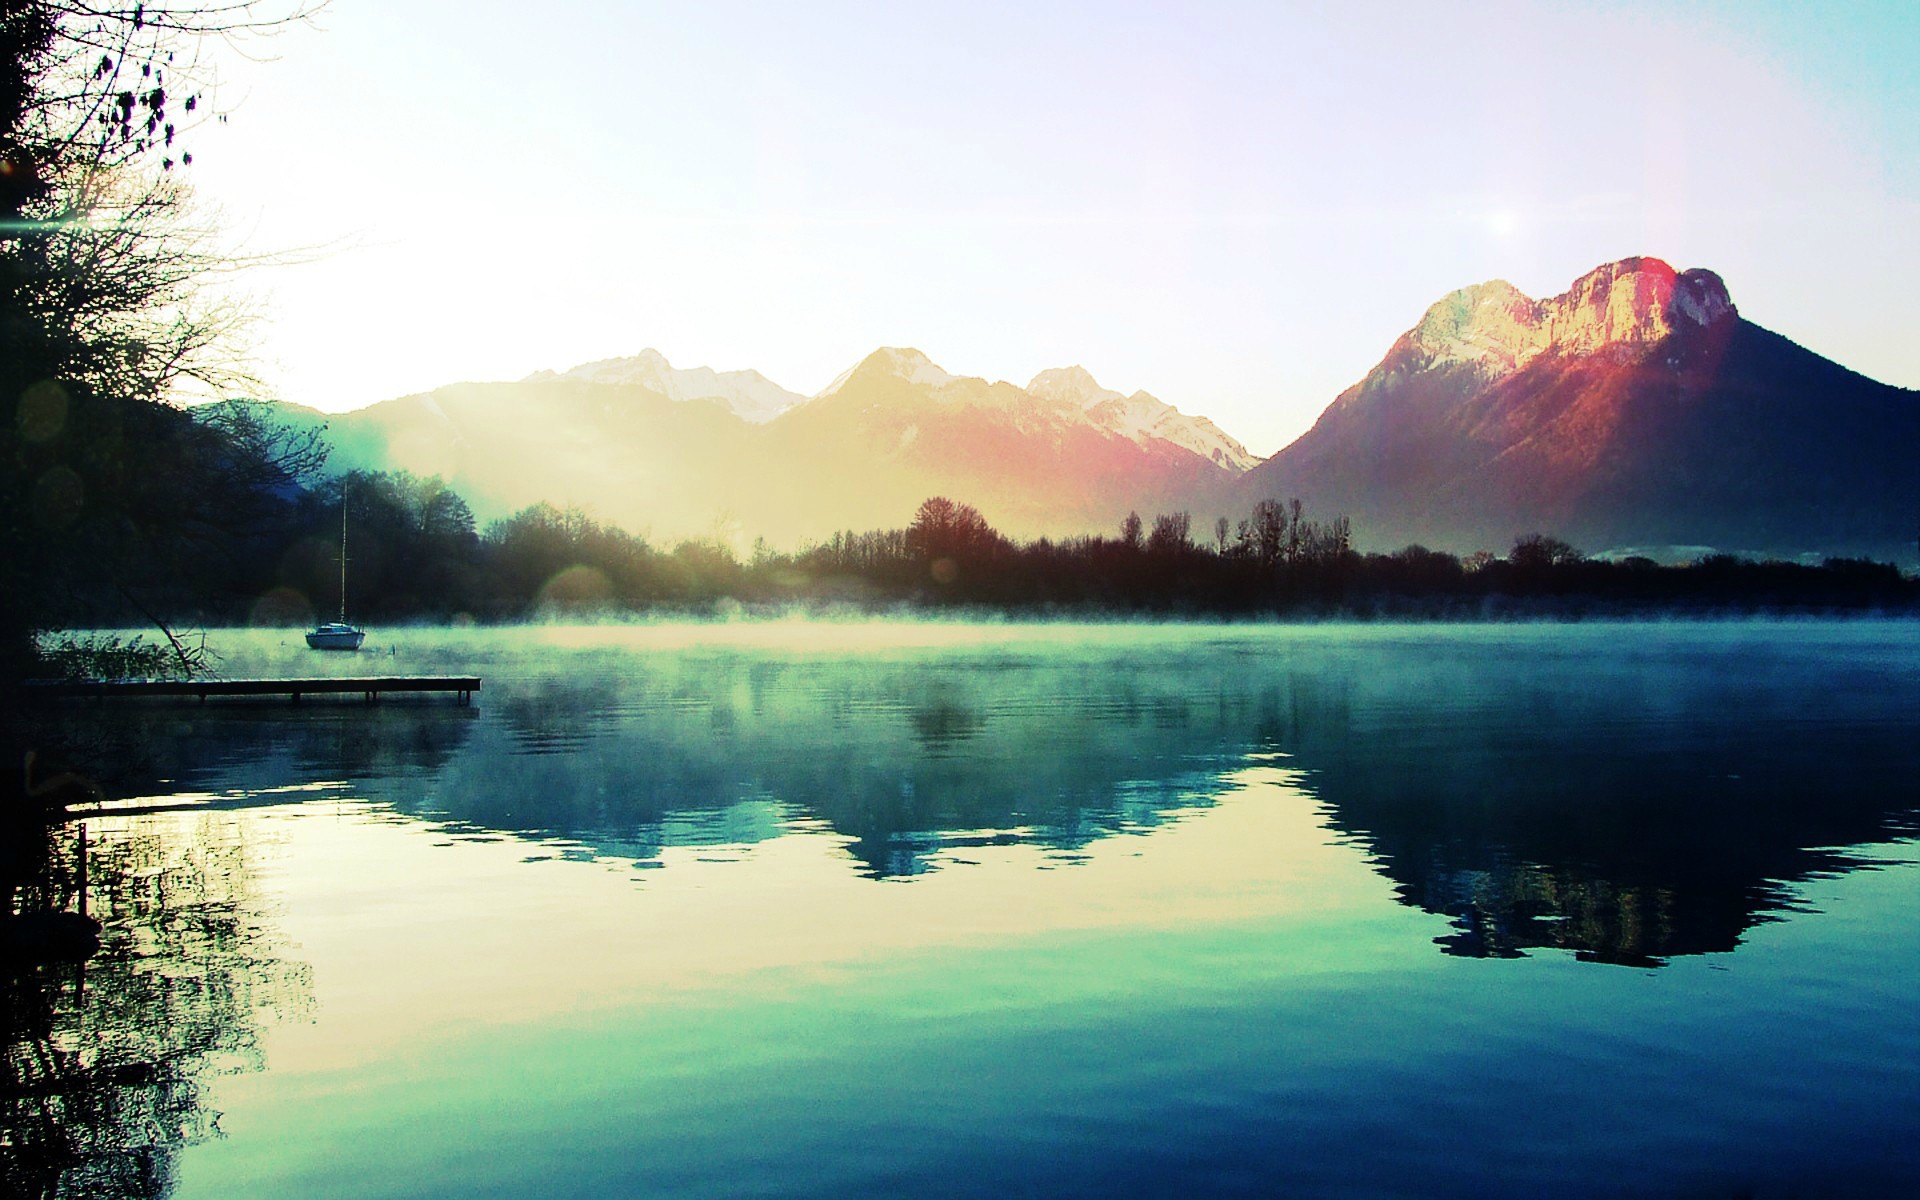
<point>1234,206</point>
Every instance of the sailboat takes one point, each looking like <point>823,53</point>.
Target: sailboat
<point>338,635</point>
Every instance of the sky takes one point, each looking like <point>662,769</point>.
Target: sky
<point>1236,207</point>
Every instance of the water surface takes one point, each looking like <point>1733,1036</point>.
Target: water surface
<point>779,908</point>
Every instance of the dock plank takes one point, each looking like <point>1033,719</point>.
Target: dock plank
<point>370,686</point>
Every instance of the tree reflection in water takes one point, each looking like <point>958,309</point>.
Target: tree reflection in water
<point>1569,817</point>
<point>105,1066</point>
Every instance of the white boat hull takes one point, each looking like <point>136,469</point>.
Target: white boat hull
<point>335,637</point>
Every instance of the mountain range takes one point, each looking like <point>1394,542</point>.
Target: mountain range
<point>1637,411</point>
<point>674,453</point>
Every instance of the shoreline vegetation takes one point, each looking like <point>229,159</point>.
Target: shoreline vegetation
<point>419,559</point>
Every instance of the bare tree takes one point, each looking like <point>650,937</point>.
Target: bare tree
<point>1270,531</point>
<point>1171,532</point>
<point>102,312</point>
<point>1541,550</point>
<point>943,528</point>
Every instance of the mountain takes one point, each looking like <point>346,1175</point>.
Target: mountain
<point>747,394</point>
<point>673,453</point>
<point>1637,410</point>
<point>896,428</point>
<point>1141,417</point>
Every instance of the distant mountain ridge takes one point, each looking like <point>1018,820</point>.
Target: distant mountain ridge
<point>747,394</point>
<point>753,397</point>
<point>676,452</point>
<point>1636,410</point>
<point>1141,416</point>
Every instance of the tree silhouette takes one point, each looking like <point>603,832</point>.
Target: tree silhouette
<point>1270,534</point>
<point>1171,533</point>
<point>953,542</point>
<point>1536,550</point>
<point>102,320</point>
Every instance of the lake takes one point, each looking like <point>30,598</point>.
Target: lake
<point>879,908</point>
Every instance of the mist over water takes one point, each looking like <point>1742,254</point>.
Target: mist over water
<point>791,907</point>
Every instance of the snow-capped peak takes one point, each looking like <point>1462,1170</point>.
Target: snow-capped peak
<point>900,362</point>
<point>749,394</point>
<point>1073,385</point>
<point>915,367</point>
<point>1141,417</point>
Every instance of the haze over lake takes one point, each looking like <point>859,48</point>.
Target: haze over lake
<point>976,909</point>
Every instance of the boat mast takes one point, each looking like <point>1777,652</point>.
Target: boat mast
<point>343,552</point>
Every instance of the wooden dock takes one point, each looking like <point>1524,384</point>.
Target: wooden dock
<point>371,687</point>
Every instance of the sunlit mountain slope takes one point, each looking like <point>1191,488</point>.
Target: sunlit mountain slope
<point>894,429</point>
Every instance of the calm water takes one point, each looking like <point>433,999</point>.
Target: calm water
<point>782,909</point>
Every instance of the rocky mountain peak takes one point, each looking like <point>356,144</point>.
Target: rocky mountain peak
<point>1618,300</point>
<point>1493,325</point>
<point>1619,306</point>
<point>1700,296</point>
<point>1632,302</point>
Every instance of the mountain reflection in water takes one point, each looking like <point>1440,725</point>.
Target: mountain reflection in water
<point>1629,794</point>
<point>1633,811</point>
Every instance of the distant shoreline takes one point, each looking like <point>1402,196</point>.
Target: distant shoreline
<point>960,614</point>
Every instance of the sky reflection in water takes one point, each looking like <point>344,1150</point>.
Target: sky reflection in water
<point>971,909</point>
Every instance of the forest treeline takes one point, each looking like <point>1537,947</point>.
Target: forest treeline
<point>416,552</point>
